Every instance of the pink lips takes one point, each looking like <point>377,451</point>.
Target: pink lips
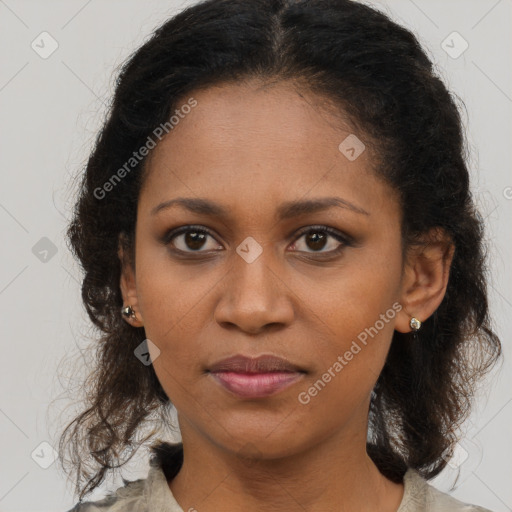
<point>255,377</point>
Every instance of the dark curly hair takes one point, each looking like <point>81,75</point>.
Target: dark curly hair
<point>376,73</point>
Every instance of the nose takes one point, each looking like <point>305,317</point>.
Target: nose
<point>255,297</point>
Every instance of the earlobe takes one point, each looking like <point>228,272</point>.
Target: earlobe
<point>130,310</point>
<point>425,279</point>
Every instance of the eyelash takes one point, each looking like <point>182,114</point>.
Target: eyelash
<point>345,240</point>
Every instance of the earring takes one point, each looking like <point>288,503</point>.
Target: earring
<point>128,312</point>
<point>415,324</point>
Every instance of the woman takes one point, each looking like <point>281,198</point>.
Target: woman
<point>279,239</point>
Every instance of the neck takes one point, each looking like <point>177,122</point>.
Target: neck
<point>336,474</point>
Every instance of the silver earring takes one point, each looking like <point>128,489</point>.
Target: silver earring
<point>128,312</point>
<point>415,324</point>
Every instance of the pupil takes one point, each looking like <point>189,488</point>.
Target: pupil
<point>194,240</point>
<point>315,239</point>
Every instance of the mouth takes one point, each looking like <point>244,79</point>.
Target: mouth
<point>258,377</point>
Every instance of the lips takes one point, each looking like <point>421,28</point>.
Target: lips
<point>257,377</point>
<point>261,364</point>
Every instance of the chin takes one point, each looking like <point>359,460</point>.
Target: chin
<point>252,445</point>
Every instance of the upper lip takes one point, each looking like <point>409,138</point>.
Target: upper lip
<point>261,364</point>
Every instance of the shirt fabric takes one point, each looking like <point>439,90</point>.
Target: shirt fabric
<point>152,494</point>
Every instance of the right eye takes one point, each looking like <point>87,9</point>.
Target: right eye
<point>190,239</point>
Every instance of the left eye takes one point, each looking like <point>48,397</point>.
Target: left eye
<point>316,238</point>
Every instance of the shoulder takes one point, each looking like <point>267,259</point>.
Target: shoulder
<point>128,498</point>
<point>442,501</point>
<point>421,496</point>
<point>149,494</point>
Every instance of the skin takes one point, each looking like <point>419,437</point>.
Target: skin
<point>251,148</point>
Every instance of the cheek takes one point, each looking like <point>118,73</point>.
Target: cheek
<point>357,315</point>
<point>360,292</point>
<point>173,312</point>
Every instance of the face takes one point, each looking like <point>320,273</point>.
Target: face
<point>248,271</point>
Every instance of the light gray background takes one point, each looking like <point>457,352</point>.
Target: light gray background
<point>50,111</point>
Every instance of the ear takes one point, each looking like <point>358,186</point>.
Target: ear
<point>425,277</point>
<point>127,282</point>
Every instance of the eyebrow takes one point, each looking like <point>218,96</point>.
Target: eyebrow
<point>285,211</point>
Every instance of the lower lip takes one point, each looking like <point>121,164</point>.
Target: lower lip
<point>256,385</point>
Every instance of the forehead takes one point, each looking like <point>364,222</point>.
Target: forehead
<point>253,141</point>
<point>253,116</point>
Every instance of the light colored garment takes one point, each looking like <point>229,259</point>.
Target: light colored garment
<point>152,494</point>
